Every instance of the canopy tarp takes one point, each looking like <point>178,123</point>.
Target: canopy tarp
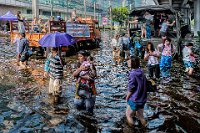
<point>152,9</point>
<point>8,16</point>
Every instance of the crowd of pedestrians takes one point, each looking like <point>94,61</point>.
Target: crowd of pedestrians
<point>159,60</point>
<point>124,47</point>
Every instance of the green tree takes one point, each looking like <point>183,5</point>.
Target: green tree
<point>120,14</point>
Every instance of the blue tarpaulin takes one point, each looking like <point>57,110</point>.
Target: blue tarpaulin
<point>8,17</point>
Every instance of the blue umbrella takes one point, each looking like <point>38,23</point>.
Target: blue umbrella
<point>56,40</point>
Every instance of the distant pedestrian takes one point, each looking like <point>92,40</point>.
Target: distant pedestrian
<point>156,25</point>
<point>138,45</point>
<point>85,96</point>
<point>152,55</point>
<point>164,27</point>
<point>23,51</point>
<point>116,49</point>
<point>124,44</point>
<point>167,50</point>
<point>35,25</point>
<point>149,19</point>
<point>188,58</point>
<point>20,19</point>
<point>17,42</point>
<point>137,92</point>
<point>54,68</point>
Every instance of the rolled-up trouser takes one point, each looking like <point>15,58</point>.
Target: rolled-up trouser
<point>85,103</point>
<point>165,66</point>
<point>55,86</point>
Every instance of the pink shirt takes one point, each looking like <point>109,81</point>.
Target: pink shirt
<point>167,49</point>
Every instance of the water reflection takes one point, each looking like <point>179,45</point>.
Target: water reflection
<point>26,107</point>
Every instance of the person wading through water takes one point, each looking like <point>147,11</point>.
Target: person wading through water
<point>85,96</point>
<point>54,67</point>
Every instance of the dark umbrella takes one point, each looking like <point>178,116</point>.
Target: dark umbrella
<point>56,40</point>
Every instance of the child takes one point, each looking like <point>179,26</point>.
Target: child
<point>137,92</point>
<point>166,59</point>
<point>23,50</point>
<point>116,55</point>
<point>116,49</point>
<point>86,72</point>
<point>152,55</point>
<point>188,58</point>
<point>54,66</point>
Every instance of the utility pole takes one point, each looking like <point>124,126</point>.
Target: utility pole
<point>110,10</point>
<point>94,9</point>
<point>51,7</point>
<point>85,8</point>
<point>67,8</point>
<point>35,8</point>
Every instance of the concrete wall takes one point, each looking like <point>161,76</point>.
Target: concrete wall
<point>14,6</point>
<point>4,9</point>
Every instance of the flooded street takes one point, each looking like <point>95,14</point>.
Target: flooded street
<point>25,106</point>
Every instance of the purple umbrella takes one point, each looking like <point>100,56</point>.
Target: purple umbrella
<point>56,40</point>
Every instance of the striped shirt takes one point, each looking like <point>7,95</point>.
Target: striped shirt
<point>54,67</point>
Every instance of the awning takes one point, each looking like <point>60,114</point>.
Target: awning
<point>152,9</point>
<point>8,17</point>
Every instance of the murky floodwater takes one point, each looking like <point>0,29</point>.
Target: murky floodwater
<point>25,107</point>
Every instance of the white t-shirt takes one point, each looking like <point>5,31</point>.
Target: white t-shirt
<point>186,53</point>
<point>152,60</point>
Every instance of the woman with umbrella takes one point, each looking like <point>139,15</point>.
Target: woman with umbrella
<point>86,100</point>
<point>54,64</point>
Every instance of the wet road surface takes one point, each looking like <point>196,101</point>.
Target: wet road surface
<point>25,106</point>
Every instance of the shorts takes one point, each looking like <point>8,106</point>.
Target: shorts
<point>188,64</point>
<point>163,33</point>
<point>24,57</point>
<point>136,105</point>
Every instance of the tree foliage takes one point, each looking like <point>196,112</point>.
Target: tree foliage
<point>119,14</point>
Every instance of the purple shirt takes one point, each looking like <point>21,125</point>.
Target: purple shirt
<point>137,85</point>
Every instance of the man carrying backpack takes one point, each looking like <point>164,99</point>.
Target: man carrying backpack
<point>166,59</point>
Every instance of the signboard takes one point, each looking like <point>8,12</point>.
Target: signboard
<point>78,30</point>
<point>105,20</point>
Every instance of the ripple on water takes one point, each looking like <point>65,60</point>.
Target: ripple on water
<point>165,110</point>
